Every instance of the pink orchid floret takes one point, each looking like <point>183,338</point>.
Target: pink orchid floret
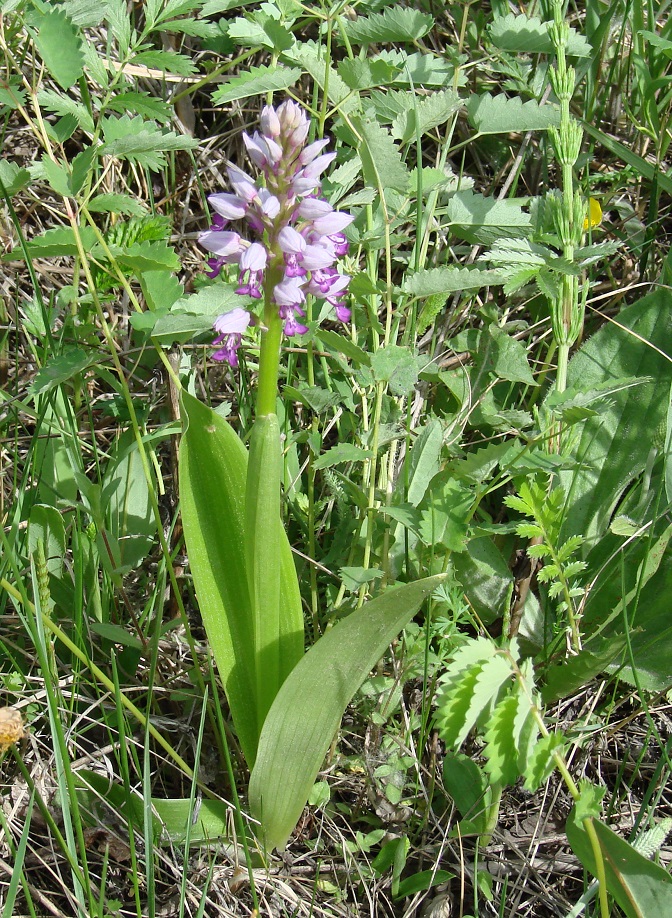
<point>230,328</point>
<point>300,234</point>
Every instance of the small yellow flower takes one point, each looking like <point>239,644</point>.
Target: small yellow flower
<point>594,217</point>
<point>11,728</point>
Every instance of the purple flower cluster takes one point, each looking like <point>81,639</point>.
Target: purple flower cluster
<point>301,234</point>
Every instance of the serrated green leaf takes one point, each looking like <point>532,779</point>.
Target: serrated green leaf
<point>541,761</point>
<point>255,82</point>
<point>147,256</point>
<point>63,105</point>
<point>434,281</point>
<point>60,369</point>
<point>313,397</point>
<point>116,204</point>
<point>529,35</point>
<point>56,175</point>
<point>310,57</point>
<point>427,113</point>
<point>60,45</point>
<point>139,103</point>
<point>501,115</point>
<point>396,366</point>
<point>167,61</point>
<point>12,177</point>
<point>343,452</point>
<point>501,751</point>
<point>510,358</point>
<point>381,161</point>
<point>142,141</point>
<point>394,24</point>
<point>480,219</point>
<point>361,74</point>
<point>82,165</point>
<point>196,27</point>
<point>490,679</point>
<point>61,241</point>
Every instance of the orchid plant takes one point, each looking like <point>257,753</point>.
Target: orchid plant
<point>286,705</point>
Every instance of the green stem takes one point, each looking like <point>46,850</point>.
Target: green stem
<point>269,354</point>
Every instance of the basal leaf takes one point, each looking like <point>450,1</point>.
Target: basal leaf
<point>308,708</point>
<point>641,888</point>
<point>614,447</point>
<point>501,115</point>
<point>60,45</point>
<point>213,471</point>
<point>255,82</point>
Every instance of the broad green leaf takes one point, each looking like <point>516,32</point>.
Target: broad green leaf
<point>57,176</point>
<point>317,399</point>
<point>614,447</point>
<point>308,708</point>
<point>255,82</point>
<point>394,24</point>
<point>59,241</point>
<point>213,471</point>
<point>501,115</point>
<point>60,45</point>
<point>432,281</point>
<point>263,545</point>
<point>529,35</point>
<point>541,759</point>
<point>468,785</point>
<point>641,888</point>
<point>485,577</point>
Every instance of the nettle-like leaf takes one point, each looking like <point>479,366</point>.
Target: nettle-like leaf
<point>141,141</point>
<point>429,112</point>
<point>310,57</point>
<point>435,281</point>
<point>485,683</point>
<point>255,82</point>
<point>60,45</point>
<point>63,105</point>
<point>394,24</point>
<point>382,164</point>
<point>168,61</point>
<point>528,34</point>
<point>501,115</point>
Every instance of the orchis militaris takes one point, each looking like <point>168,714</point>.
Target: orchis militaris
<point>301,235</point>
